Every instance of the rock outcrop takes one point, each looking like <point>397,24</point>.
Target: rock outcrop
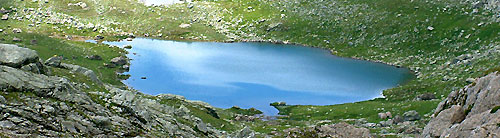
<point>23,58</point>
<point>470,112</point>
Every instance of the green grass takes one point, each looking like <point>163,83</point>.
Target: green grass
<point>494,110</point>
<point>250,111</point>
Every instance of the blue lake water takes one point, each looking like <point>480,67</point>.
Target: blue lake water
<point>255,74</point>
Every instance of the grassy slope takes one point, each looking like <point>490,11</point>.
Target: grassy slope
<point>382,30</point>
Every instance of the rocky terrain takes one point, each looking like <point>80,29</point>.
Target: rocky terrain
<point>35,104</point>
<point>469,112</point>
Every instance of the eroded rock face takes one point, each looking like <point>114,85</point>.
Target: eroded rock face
<point>468,112</point>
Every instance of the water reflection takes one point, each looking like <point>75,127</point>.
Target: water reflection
<point>255,74</point>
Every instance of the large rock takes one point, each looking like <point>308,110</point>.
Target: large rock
<point>14,56</point>
<point>5,17</point>
<point>82,70</point>
<point>119,61</point>
<point>54,61</point>
<point>411,116</point>
<point>444,121</point>
<point>468,112</point>
<point>426,96</point>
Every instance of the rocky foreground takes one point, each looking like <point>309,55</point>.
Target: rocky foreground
<point>34,104</point>
<point>470,112</point>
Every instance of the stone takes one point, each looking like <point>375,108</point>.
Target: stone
<point>82,70</point>
<point>109,65</point>
<point>2,100</point>
<point>470,80</point>
<point>15,119</point>
<point>411,116</point>
<point>202,127</point>
<point>54,61</point>
<point>426,97</point>
<point>412,130</point>
<point>389,114</point>
<point>3,11</point>
<point>33,42</point>
<point>48,109</point>
<point>14,56</point>
<point>430,28</point>
<point>245,118</point>
<point>12,79</point>
<point>5,17</point>
<point>171,97</point>
<point>127,47</point>
<point>184,25</point>
<point>35,68</point>
<point>98,37</point>
<point>93,57</point>
<point>119,61</point>
<point>397,119</point>
<point>444,120</point>
<point>15,39</point>
<point>101,121</point>
<point>17,30</point>
<point>245,133</point>
<point>126,67</point>
<point>382,115</point>
<point>386,123</point>
<point>6,124</point>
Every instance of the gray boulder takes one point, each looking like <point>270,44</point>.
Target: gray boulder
<point>411,116</point>
<point>5,17</point>
<point>469,112</point>
<point>54,61</point>
<point>444,120</point>
<point>15,39</point>
<point>14,56</point>
<point>397,119</point>
<point>119,61</point>
<point>78,69</point>
<point>426,96</point>
<point>17,30</point>
<point>35,68</point>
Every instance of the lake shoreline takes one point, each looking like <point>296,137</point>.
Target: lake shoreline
<point>381,95</point>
